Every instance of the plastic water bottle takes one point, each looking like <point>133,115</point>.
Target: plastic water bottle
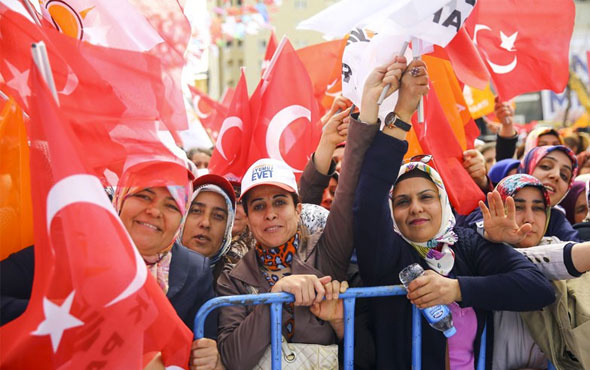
<point>439,316</point>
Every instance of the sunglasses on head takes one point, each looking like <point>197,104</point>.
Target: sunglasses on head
<point>423,158</point>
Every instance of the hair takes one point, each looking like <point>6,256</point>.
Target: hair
<point>245,197</point>
<point>193,151</point>
<point>485,147</point>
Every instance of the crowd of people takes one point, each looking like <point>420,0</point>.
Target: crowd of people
<point>360,214</point>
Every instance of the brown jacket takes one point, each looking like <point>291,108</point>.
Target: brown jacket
<point>244,331</point>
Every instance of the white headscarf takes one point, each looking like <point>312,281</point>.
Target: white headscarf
<point>231,214</point>
<point>436,251</point>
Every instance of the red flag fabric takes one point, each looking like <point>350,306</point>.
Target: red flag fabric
<point>211,113</point>
<point>230,155</point>
<point>465,59</point>
<point>286,115</point>
<point>228,96</point>
<point>324,64</point>
<point>93,303</point>
<point>436,137</point>
<point>112,98</point>
<point>271,47</point>
<point>106,85</point>
<point>525,43</point>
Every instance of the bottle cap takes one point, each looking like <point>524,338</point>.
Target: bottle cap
<point>450,332</point>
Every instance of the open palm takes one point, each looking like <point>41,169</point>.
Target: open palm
<point>499,220</point>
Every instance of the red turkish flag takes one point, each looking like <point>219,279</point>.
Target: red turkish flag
<point>436,137</point>
<point>230,155</point>
<point>210,112</point>
<point>103,84</point>
<point>324,64</point>
<point>271,47</point>
<point>285,113</point>
<point>112,98</point>
<point>93,302</point>
<point>465,59</point>
<point>525,43</point>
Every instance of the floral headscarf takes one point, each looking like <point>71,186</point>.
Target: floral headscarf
<point>436,252</point>
<point>231,214</point>
<point>532,139</point>
<point>512,184</point>
<point>532,159</point>
<point>159,264</point>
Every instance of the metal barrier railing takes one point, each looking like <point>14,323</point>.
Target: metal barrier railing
<point>276,301</point>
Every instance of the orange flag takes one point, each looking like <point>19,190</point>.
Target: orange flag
<point>324,64</point>
<point>450,96</point>
<point>16,211</point>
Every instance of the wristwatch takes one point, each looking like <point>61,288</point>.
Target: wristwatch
<point>392,120</point>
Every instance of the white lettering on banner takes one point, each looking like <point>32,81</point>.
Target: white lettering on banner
<point>444,24</point>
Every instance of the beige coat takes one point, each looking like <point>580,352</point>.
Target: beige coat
<point>562,329</point>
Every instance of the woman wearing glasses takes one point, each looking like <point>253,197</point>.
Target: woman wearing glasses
<point>463,270</point>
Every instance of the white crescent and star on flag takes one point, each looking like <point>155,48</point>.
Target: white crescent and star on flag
<point>506,43</point>
<point>278,124</point>
<point>80,188</point>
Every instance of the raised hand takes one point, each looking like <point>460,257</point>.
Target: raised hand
<point>475,164</point>
<point>499,220</point>
<point>505,114</point>
<point>374,84</point>
<point>414,84</point>
<point>339,104</point>
<point>432,288</point>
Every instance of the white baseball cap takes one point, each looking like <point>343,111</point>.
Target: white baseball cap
<point>268,171</point>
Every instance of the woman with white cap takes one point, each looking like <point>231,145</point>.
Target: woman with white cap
<point>288,258</point>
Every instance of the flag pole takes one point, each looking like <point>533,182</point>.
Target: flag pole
<point>386,88</point>
<point>32,12</point>
<point>420,110</point>
<point>42,62</point>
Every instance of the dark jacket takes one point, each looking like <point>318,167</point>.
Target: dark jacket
<point>505,147</point>
<point>190,285</point>
<point>558,226</point>
<point>491,276</point>
<point>583,230</point>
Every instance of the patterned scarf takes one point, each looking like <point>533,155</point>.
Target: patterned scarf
<point>511,185</point>
<point>158,264</point>
<point>436,251</point>
<point>532,139</point>
<point>534,156</point>
<point>276,263</point>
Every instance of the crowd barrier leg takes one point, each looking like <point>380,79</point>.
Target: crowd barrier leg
<point>276,301</point>
<point>550,366</point>
<point>416,338</point>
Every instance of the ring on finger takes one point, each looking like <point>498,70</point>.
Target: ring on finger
<point>415,71</point>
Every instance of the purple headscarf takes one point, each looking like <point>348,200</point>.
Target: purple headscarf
<point>569,202</point>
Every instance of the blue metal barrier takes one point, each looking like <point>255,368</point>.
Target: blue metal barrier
<point>276,301</point>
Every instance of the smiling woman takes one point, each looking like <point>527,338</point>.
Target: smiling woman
<point>462,270</point>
